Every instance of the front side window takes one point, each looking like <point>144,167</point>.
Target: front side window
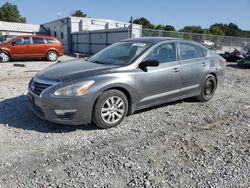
<point>190,51</point>
<point>24,40</point>
<point>163,53</point>
<point>38,41</point>
<point>119,53</point>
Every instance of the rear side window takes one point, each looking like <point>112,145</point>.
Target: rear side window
<point>204,52</point>
<point>38,41</point>
<point>190,51</point>
<point>51,41</point>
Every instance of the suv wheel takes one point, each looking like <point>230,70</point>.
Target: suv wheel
<point>52,56</point>
<point>110,109</point>
<point>208,89</point>
<point>4,56</point>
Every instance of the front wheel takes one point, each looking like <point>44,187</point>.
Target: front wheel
<point>110,109</point>
<point>4,57</point>
<point>208,88</point>
<point>52,56</point>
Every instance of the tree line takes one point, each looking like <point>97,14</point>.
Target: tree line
<point>230,29</point>
<point>10,13</point>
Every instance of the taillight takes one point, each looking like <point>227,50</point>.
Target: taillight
<point>223,61</point>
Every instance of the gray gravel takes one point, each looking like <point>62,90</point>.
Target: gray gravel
<point>181,144</point>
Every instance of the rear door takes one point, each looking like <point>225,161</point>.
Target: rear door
<point>194,67</point>
<point>21,47</point>
<point>38,47</point>
<point>158,84</point>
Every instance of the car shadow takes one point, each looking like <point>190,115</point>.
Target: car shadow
<point>236,66</point>
<point>27,59</point>
<point>16,112</point>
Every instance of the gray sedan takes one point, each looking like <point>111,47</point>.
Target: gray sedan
<point>123,78</point>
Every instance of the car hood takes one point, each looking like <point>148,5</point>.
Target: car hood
<point>76,69</point>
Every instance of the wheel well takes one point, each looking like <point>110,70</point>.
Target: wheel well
<point>52,51</point>
<point>212,73</point>
<point>126,93</point>
<point>5,52</point>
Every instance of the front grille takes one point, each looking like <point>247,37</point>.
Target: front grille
<point>38,88</point>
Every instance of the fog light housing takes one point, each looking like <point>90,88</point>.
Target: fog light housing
<point>65,114</point>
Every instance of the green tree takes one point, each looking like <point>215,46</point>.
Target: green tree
<point>10,13</point>
<point>230,29</point>
<point>144,22</point>
<point>160,27</point>
<point>169,28</point>
<point>217,29</point>
<point>79,13</point>
<point>192,29</point>
<point>233,30</point>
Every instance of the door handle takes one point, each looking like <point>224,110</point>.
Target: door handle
<point>176,70</point>
<point>203,64</point>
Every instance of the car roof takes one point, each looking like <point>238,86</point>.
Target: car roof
<point>152,40</point>
<point>155,40</point>
<point>44,36</point>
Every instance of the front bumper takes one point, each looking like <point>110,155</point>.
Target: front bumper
<point>62,110</point>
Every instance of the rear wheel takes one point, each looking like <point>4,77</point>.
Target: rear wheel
<point>52,56</point>
<point>208,89</point>
<point>110,109</point>
<point>4,56</point>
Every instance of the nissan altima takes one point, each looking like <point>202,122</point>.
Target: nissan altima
<point>123,78</point>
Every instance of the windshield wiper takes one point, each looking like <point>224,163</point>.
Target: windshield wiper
<point>99,62</point>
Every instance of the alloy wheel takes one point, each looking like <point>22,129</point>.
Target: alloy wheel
<point>112,110</point>
<point>209,87</point>
<point>52,56</point>
<point>4,57</point>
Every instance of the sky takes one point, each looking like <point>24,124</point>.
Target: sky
<point>178,13</point>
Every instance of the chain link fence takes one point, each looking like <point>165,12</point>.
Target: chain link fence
<point>218,43</point>
<point>90,42</point>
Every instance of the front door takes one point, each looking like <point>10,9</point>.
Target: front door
<point>21,47</point>
<point>156,85</point>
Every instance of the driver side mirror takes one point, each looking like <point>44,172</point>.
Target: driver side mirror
<point>149,63</point>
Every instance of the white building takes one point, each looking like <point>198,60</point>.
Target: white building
<point>65,28</point>
<point>10,28</point>
<point>98,33</point>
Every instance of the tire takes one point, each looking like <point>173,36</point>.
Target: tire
<point>52,56</point>
<point>208,89</point>
<point>107,116</point>
<point>4,57</point>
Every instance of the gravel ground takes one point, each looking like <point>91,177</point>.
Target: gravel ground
<point>181,144</point>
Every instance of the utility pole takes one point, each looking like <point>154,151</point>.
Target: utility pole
<point>131,27</point>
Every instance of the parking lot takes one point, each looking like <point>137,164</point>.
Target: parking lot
<point>181,144</point>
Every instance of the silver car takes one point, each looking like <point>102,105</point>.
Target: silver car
<point>123,78</point>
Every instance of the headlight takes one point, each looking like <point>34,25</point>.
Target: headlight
<point>78,89</point>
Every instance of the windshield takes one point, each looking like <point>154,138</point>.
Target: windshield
<point>119,53</point>
<point>6,38</point>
